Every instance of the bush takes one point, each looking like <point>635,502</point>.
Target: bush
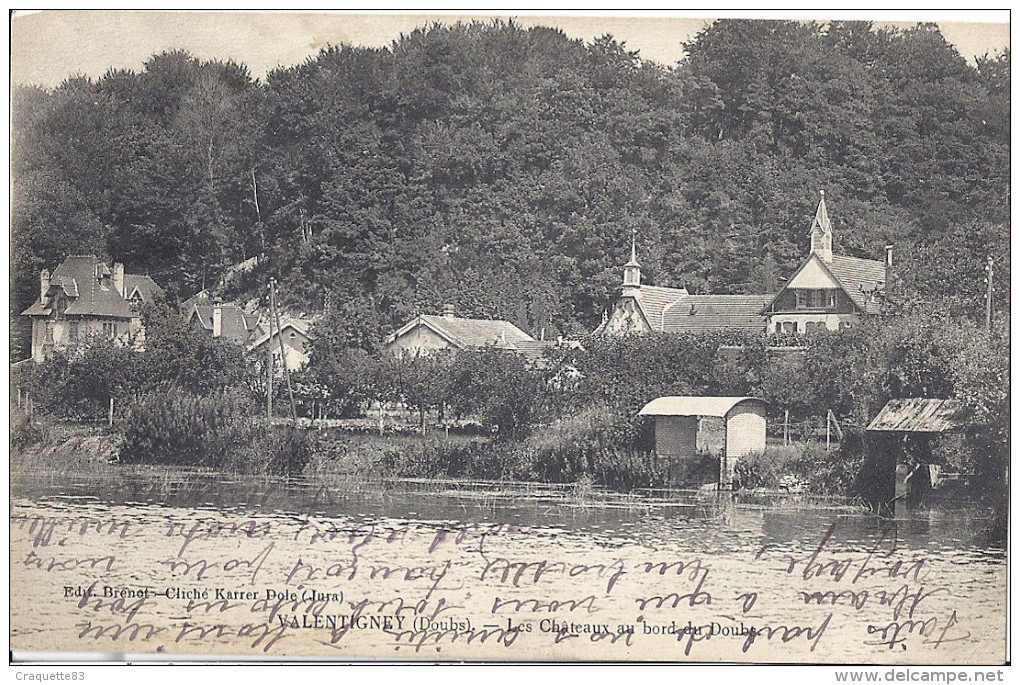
<point>762,469</point>
<point>24,431</point>
<point>215,431</point>
<point>598,446</point>
<point>806,464</point>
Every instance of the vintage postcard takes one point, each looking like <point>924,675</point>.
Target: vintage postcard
<point>643,338</point>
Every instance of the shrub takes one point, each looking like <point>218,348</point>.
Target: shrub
<point>805,464</point>
<point>761,469</point>
<point>215,431</point>
<point>24,431</point>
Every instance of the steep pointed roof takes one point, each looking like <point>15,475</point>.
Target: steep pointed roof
<point>236,325</point>
<point>84,280</point>
<point>857,277</point>
<point>654,299</point>
<point>144,286</point>
<point>633,250</point>
<point>821,221</point>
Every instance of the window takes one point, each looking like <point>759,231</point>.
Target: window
<point>72,331</point>
<point>48,335</point>
<point>788,327</point>
<point>801,299</point>
<point>833,299</point>
<point>110,329</point>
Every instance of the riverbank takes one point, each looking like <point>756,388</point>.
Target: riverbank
<point>365,471</point>
<point>579,462</point>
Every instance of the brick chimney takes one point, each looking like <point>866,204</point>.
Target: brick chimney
<point>449,311</point>
<point>217,321</point>
<point>118,279</point>
<point>44,283</point>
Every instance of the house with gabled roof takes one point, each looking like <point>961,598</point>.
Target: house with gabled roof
<point>656,309</point>
<point>224,320</point>
<point>828,291</point>
<point>295,335</point>
<point>85,297</point>
<point>428,333</point>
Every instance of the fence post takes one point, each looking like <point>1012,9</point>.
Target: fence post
<point>786,427</point>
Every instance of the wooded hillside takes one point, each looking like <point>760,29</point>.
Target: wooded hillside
<point>503,169</point>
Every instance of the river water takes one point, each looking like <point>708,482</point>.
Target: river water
<point>199,565</point>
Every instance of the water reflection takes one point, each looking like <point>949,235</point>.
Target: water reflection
<point>701,519</point>
<point>745,543</point>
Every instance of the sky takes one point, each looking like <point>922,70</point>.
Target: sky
<point>49,46</point>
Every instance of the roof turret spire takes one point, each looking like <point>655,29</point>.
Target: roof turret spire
<point>633,249</point>
<point>821,231</point>
<point>632,269</point>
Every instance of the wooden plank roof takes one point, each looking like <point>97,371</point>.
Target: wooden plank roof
<point>921,415</point>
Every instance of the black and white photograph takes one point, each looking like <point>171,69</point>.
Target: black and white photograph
<point>511,338</point>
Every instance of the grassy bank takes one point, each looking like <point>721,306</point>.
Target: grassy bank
<point>46,446</point>
<point>595,449</point>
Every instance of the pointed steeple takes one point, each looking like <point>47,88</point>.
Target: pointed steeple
<point>632,270</point>
<point>821,231</point>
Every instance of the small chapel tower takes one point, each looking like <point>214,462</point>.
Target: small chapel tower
<point>632,270</point>
<point>821,231</point>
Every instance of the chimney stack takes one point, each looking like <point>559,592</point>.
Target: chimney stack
<point>118,279</point>
<point>887,289</point>
<point>217,321</point>
<point>448,311</point>
<point>44,283</point>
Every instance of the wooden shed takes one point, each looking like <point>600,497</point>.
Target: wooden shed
<point>909,425</point>
<point>676,427</point>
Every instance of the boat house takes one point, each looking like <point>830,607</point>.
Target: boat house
<point>902,436</point>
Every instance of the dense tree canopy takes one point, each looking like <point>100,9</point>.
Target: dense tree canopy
<point>503,169</point>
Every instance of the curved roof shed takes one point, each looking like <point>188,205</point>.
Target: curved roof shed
<point>676,427</point>
<point>690,405</point>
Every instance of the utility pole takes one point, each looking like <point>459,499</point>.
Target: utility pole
<point>269,373</point>
<point>988,296</point>
<point>283,353</point>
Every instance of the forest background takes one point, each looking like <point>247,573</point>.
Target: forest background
<point>504,169</point>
